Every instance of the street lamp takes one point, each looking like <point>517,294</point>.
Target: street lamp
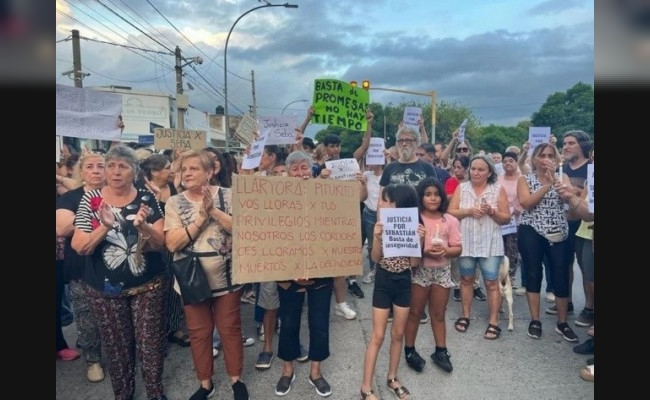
<point>295,101</point>
<point>432,94</point>
<point>225,65</point>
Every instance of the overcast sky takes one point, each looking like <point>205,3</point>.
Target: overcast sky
<point>500,58</point>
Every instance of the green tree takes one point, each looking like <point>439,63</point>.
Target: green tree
<point>563,111</point>
<point>497,138</point>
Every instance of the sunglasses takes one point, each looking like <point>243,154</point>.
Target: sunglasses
<point>406,141</point>
<point>462,150</point>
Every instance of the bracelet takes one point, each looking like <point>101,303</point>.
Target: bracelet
<point>197,225</point>
<point>144,238</point>
<point>187,232</point>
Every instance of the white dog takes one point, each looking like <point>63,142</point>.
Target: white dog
<point>505,287</point>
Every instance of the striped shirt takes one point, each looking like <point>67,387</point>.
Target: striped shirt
<point>481,237</point>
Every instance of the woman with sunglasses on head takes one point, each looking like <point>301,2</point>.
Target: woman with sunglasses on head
<point>456,147</point>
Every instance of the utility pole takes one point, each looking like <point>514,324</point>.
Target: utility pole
<point>180,111</point>
<point>254,112</point>
<point>76,59</point>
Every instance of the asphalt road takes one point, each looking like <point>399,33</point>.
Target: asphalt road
<point>512,367</point>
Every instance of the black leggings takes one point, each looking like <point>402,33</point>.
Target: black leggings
<point>533,247</point>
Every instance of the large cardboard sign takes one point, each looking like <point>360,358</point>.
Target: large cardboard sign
<point>291,228</point>
<point>85,113</point>
<point>341,104</point>
<point>186,139</point>
<point>245,132</point>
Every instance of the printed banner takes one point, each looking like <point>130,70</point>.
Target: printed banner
<point>538,135</point>
<point>400,235</point>
<point>375,153</point>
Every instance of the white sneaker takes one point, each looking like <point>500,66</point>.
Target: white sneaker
<point>95,372</point>
<point>370,277</point>
<point>247,341</point>
<point>520,291</point>
<point>344,310</point>
<point>550,297</point>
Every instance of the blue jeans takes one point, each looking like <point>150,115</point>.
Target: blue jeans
<point>368,220</point>
<point>319,297</point>
<point>489,266</point>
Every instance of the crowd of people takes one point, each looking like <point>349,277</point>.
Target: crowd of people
<point>122,217</point>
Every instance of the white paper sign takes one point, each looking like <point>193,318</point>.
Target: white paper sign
<point>411,117</point>
<point>590,187</point>
<point>400,234</point>
<point>344,169</point>
<point>375,153</point>
<point>538,135</point>
<point>253,158</point>
<point>58,148</point>
<point>86,113</point>
<point>498,168</point>
<point>461,131</point>
<point>280,130</point>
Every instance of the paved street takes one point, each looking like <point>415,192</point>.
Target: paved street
<point>512,367</point>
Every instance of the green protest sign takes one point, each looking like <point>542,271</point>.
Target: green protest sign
<point>341,104</point>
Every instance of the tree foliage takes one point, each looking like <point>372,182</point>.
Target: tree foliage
<point>573,109</point>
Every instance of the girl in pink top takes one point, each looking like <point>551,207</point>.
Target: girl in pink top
<point>431,280</point>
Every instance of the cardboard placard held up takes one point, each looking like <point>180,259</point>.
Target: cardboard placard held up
<point>186,139</point>
<point>289,228</point>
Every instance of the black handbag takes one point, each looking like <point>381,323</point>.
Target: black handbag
<point>191,278</point>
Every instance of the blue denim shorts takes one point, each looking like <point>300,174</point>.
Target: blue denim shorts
<point>489,266</point>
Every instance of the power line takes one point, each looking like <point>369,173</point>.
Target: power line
<point>139,30</point>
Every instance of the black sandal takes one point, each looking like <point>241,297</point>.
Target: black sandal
<point>493,330</point>
<point>461,324</point>
<point>399,391</point>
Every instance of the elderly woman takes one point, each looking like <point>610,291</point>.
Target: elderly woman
<point>481,205</point>
<point>199,220</point>
<point>120,230</point>
<point>292,296</point>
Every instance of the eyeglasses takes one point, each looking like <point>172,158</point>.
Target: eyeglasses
<point>462,150</point>
<point>406,141</point>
